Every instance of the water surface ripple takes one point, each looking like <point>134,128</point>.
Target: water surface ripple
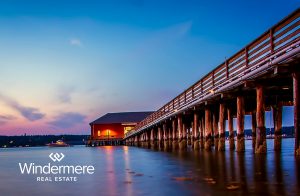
<point>122,170</point>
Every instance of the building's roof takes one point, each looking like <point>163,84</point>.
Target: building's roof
<point>121,117</point>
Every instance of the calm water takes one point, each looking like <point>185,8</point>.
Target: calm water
<point>136,171</point>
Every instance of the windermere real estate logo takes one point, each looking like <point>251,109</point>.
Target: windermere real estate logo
<point>56,172</point>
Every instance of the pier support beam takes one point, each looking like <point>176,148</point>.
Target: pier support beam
<point>148,142</point>
<point>261,144</point>
<point>296,83</point>
<point>182,133</point>
<point>144,140</point>
<point>208,130</point>
<point>160,139</point>
<point>202,139</point>
<point>190,135</point>
<point>136,141</point>
<point>165,137</point>
<point>174,135</point>
<point>169,129</point>
<point>153,138</point>
<point>277,118</point>
<point>230,128</point>
<point>141,140</point>
<point>202,132</point>
<point>215,129</point>
<point>196,144</point>
<point>253,125</point>
<point>221,145</point>
<point>240,124</point>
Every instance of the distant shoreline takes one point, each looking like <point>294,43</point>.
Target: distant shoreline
<point>83,144</point>
<point>42,140</point>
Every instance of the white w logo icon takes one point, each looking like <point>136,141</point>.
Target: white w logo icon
<point>57,156</point>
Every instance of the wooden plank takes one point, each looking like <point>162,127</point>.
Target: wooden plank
<point>256,56</point>
<point>258,41</point>
<point>236,68</point>
<point>236,63</point>
<point>287,20</point>
<point>287,38</point>
<point>259,48</point>
<point>287,30</point>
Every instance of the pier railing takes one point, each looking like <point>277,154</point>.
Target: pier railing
<point>254,59</point>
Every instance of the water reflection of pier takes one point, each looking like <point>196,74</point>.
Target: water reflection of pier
<point>245,173</point>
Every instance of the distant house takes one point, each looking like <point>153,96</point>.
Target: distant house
<point>113,126</point>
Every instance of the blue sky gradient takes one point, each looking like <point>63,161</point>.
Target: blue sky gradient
<point>76,60</point>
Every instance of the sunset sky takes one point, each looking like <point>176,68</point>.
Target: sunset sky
<point>65,63</point>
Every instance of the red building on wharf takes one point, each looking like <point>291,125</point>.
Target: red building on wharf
<point>111,128</point>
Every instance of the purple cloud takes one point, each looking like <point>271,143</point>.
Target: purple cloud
<point>67,120</point>
<point>30,113</point>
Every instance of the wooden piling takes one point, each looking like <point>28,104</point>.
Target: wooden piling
<point>182,133</point>
<point>277,118</point>
<point>144,139</point>
<point>174,135</point>
<point>152,138</point>
<point>215,129</point>
<point>208,130</point>
<point>165,137</point>
<point>221,145</point>
<point>155,138</point>
<point>253,128</point>
<point>240,124</point>
<point>230,128</point>
<point>179,128</point>
<point>196,131</point>
<point>190,135</point>
<point>136,141</point>
<point>169,129</point>
<point>160,138</point>
<point>261,144</point>
<point>296,97</point>
<point>202,132</point>
<point>141,140</point>
<point>148,141</point>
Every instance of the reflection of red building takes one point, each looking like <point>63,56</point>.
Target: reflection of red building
<point>111,128</point>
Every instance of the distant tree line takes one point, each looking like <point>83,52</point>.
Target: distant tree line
<point>40,140</point>
<point>288,131</point>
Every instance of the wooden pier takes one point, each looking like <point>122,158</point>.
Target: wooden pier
<point>262,76</point>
